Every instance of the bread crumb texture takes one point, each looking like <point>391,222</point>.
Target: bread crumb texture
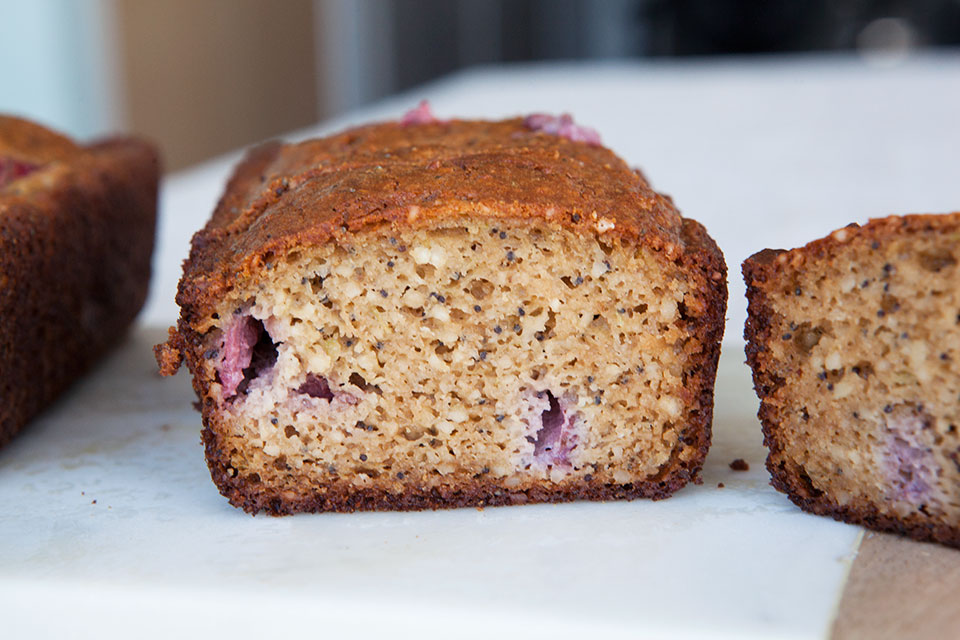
<point>491,349</point>
<point>448,313</point>
<point>855,344</point>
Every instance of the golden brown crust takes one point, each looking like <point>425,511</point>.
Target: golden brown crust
<point>761,272</point>
<point>391,175</point>
<point>76,237</point>
<point>372,176</point>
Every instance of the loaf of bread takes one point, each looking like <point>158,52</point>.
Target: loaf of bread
<point>76,237</point>
<point>425,314</point>
<point>854,341</point>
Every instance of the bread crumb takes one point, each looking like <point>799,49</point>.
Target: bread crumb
<point>605,224</point>
<point>740,465</point>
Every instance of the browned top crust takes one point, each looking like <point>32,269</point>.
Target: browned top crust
<point>390,177</point>
<point>391,174</point>
<point>762,268</point>
<point>32,142</point>
<point>759,266</point>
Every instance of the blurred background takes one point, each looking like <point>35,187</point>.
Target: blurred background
<point>202,77</point>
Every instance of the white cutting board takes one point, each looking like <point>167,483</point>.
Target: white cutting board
<point>111,526</point>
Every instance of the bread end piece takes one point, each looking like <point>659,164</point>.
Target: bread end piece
<point>854,342</point>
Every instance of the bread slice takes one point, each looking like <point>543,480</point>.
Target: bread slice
<point>76,237</point>
<point>854,341</point>
<point>431,314</point>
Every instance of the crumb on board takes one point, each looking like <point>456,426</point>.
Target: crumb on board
<point>740,465</point>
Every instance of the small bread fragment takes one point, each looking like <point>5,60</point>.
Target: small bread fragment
<point>76,238</point>
<point>426,314</point>
<point>854,342</point>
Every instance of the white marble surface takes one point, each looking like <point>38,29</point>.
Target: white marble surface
<point>765,153</point>
<point>111,525</point>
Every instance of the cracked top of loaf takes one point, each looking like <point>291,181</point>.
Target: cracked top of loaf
<point>284,196</point>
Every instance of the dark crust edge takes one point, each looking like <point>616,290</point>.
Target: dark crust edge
<point>785,475</point>
<point>696,252</point>
<point>183,339</point>
<point>341,497</point>
<point>75,266</point>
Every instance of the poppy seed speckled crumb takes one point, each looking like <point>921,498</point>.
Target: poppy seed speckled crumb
<point>859,409</point>
<point>507,286</point>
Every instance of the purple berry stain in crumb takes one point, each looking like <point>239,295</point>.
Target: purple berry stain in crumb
<point>421,114</point>
<point>551,420</point>
<point>562,126</point>
<point>238,341</point>
<point>910,466</point>
<point>12,169</point>
<point>247,352</point>
<point>316,387</point>
<point>554,438</point>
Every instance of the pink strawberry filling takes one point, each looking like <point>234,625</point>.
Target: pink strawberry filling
<point>421,114</point>
<point>908,470</point>
<point>238,342</point>
<point>12,169</point>
<point>910,464</point>
<point>551,427</point>
<point>316,387</point>
<point>555,437</point>
<point>562,126</point>
<point>247,352</point>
